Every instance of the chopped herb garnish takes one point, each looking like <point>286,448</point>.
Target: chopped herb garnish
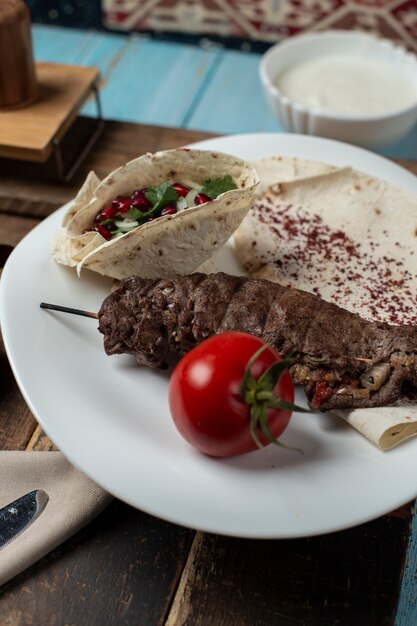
<point>123,215</point>
<point>214,187</point>
<point>134,214</point>
<point>160,196</point>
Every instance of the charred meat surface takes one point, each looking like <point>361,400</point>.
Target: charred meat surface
<point>342,360</point>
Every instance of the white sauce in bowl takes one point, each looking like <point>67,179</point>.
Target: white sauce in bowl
<point>347,85</point>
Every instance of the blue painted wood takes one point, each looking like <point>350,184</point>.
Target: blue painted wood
<point>174,84</point>
<point>155,82</point>
<point>404,149</point>
<point>232,101</point>
<point>60,45</point>
<point>104,52</point>
<point>81,48</point>
<point>407,604</point>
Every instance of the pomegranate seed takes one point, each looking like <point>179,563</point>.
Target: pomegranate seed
<point>201,198</point>
<point>140,202</point>
<point>104,231</point>
<point>181,190</point>
<point>122,204</point>
<point>108,213</point>
<point>136,193</point>
<point>169,209</point>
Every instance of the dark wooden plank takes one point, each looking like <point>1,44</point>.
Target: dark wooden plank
<point>16,421</point>
<point>121,569</point>
<point>14,228</point>
<point>31,190</point>
<point>125,566</point>
<point>349,578</point>
<point>409,165</point>
<point>40,441</point>
<point>120,142</point>
<point>25,206</point>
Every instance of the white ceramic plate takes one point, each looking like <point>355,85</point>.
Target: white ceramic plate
<point>111,418</point>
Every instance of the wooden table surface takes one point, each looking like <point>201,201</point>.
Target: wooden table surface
<point>127,567</point>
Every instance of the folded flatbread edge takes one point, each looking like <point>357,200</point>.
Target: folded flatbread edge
<point>385,427</point>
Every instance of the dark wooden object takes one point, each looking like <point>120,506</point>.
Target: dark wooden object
<point>18,85</point>
<point>34,132</point>
<point>128,568</point>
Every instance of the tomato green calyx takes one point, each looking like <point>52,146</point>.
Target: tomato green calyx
<point>259,394</point>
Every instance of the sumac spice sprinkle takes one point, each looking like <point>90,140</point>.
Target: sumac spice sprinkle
<point>307,253</point>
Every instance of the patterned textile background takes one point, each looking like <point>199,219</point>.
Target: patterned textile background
<point>249,24</point>
<point>265,20</point>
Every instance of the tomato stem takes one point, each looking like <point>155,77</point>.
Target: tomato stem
<point>259,395</point>
<point>264,395</point>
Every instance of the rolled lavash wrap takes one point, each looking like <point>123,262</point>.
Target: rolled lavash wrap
<point>167,246</point>
<point>348,237</point>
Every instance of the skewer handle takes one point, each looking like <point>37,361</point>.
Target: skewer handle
<point>66,309</point>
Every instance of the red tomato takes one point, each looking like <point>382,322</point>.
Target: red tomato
<point>205,400</point>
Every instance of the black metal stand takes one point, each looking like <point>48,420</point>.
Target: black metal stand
<point>66,176</point>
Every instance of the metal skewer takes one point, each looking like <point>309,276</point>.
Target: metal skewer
<point>66,309</point>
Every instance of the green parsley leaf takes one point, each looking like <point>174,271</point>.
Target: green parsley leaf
<point>214,187</point>
<point>160,196</point>
<point>133,214</point>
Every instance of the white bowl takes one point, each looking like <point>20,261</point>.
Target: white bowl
<point>372,131</point>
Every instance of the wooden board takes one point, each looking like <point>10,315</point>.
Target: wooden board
<point>127,567</point>
<point>344,578</point>
<point>118,143</point>
<point>28,133</point>
<point>351,578</point>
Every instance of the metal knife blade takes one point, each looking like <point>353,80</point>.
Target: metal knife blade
<point>18,515</point>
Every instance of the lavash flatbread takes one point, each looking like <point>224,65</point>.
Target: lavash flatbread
<point>168,246</point>
<point>347,237</point>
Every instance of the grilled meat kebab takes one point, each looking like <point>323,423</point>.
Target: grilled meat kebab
<point>342,360</point>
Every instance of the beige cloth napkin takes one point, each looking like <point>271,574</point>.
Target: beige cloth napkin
<point>74,500</point>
